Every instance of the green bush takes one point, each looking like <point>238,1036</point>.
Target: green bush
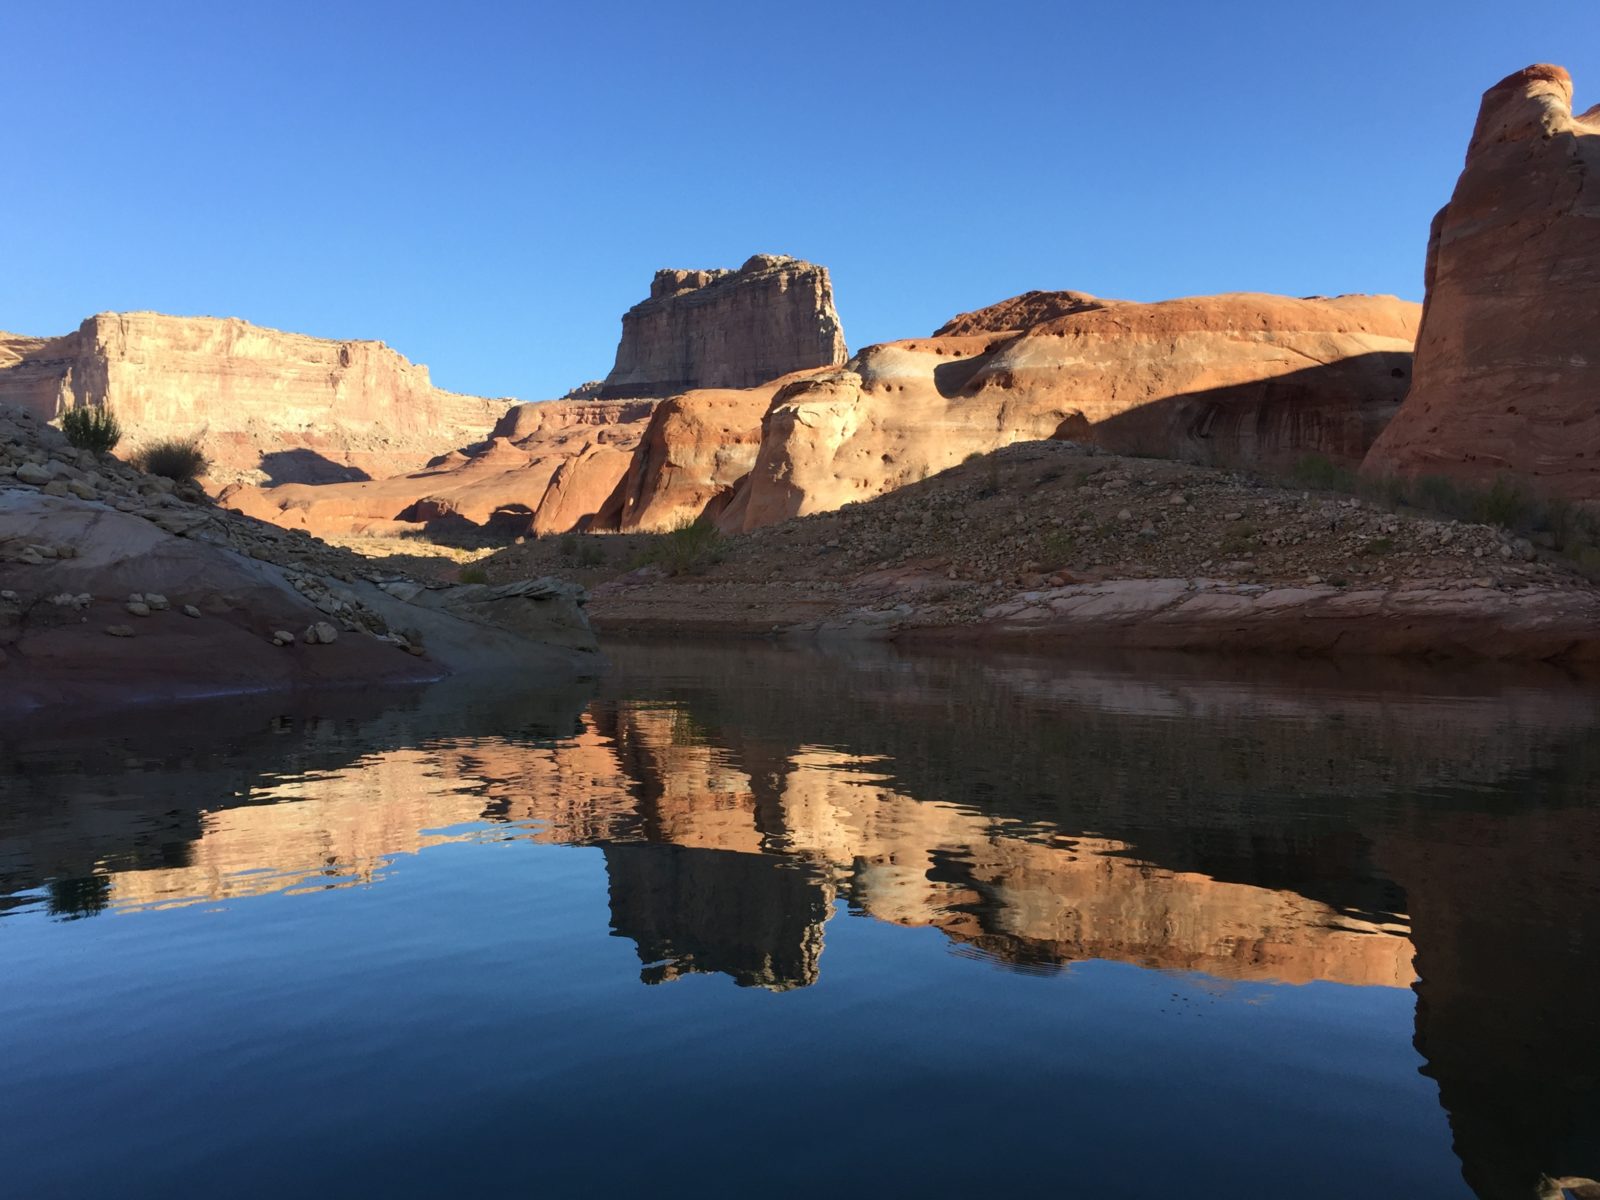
<point>1507,505</point>
<point>474,574</point>
<point>91,428</point>
<point>1322,473</point>
<point>688,548</point>
<point>175,458</point>
<point>1439,494</point>
<point>1058,549</point>
<point>591,553</point>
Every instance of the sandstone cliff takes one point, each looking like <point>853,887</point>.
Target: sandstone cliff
<point>1508,357</point>
<point>1234,379</point>
<point>545,468</point>
<point>727,329</point>
<point>697,447</point>
<point>269,405</point>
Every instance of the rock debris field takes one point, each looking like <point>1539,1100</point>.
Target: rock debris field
<point>983,543</point>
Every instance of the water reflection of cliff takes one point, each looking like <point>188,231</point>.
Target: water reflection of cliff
<point>1302,828</point>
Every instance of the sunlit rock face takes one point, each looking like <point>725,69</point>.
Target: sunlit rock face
<point>1231,380</point>
<point>1508,357</point>
<point>727,329</point>
<point>266,405</point>
<point>694,451</point>
<point>543,468</point>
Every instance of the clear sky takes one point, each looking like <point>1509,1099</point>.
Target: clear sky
<point>487,186</point>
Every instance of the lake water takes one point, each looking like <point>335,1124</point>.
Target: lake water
<point>745,920</point>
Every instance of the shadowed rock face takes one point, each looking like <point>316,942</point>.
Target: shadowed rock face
<point>1508,357</point>
<point>1235,379</point>
<point>727,329</point>
<point>267,405</point>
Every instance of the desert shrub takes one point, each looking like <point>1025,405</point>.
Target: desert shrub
<point>91,428</point>
<point>1505,504</point>
<point>991,477</point>
<point>1238,537</point>
<point>567,547</point>
<point>474,574</point>
<point>175,458</point>
<point>1439,494</point>
<point>1389,491</point>
<point>591,553</point>
<point>689,547</point>
<point>1058,548</point>
<point>1383,545</point>
<point>1321,472</point>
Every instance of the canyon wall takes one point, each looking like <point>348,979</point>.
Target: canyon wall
<point>267,405</point>
<point>1508,357</point>
<point>727,329</point>
<point>1250,380</point>
<point>544,468</point>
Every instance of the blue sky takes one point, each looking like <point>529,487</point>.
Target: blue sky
<point>487,186</point>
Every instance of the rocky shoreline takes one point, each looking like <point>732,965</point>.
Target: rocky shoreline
<point>118,587</point>
<point>1058,545</point>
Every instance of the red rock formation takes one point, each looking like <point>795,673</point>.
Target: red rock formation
<point>695,449</point>
<point>546,468</point>
<point>727,329</point>
<point>1508,357</point>
<point>1221,379</point>
<point>266,404</point>
<point>1020,312</point>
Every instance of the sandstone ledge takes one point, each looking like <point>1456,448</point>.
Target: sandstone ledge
<point>1531,623</point>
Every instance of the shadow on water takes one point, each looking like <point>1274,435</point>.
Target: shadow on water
<point>1369,824</point>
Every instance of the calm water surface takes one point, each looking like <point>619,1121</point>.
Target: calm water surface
<point>753,921</point>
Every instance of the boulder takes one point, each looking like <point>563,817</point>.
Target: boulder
<point>1508,356</point>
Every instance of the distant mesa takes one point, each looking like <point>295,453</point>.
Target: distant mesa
<point>1508,356</point>
<point>727,329</point>
<point>269,406</point>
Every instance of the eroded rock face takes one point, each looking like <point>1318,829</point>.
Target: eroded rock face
<point>697,447</point>
<point>269,406</point>
<point>727,329</point>
<point>1235,379</point>
<point>1508,357</point>
<point>546,467</point>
